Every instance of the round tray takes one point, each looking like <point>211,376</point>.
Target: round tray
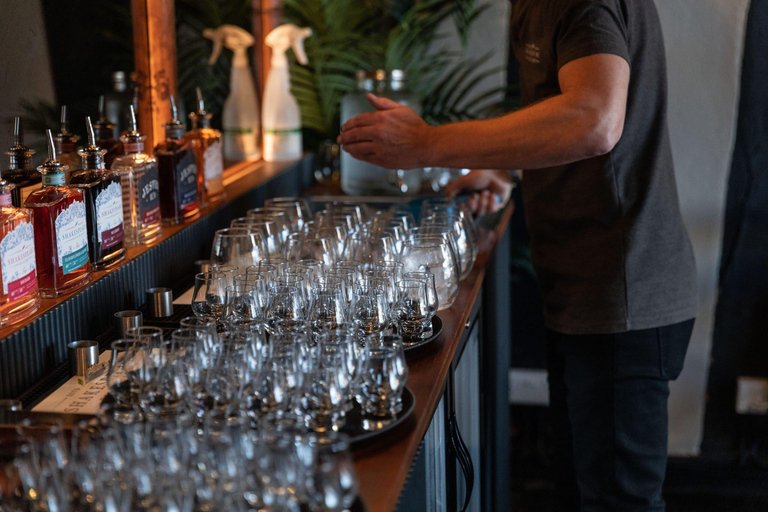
<point>354,426</point>
<point>437,329</point>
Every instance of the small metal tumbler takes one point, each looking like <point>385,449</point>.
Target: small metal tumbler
<point>160,302</point>
<point>128,319</point>
<point>82,355</point>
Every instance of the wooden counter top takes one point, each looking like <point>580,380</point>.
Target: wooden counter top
<point>383,468</point>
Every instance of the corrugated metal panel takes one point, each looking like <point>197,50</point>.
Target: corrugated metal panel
<point>34,351</point>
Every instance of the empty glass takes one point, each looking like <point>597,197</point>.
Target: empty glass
<point>411,310</point>
<point>210,295</point>
<point>237,246</point>
<point>433,254</point>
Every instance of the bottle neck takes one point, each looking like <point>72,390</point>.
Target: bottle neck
<point>131,148</point>
<point>23,161</point>
<point>53,179</point>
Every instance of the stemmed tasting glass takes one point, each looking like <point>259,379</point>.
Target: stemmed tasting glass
<point>209,295</point>
<point>237,246</point>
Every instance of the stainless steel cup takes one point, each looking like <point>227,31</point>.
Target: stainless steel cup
<point>160,302</point>
<point>82,355</point>
<point>127,319</point>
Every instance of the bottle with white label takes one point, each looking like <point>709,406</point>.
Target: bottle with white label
<point>177,173</point>
<point>19,296</point>
<point>141,189</point>
<point>60,229</point>
<point>103,203</point>
<point>206,142</point>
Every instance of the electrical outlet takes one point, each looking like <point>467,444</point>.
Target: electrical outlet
<point>528,387</point>
<point>752,395</point>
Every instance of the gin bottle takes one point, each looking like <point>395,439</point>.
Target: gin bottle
<point>141,189</point>
<point>206,142</point>
<point>61,231</point>
<point>103,203</point>
<point>19,296</point>
<point>21,173</point>
<point>66,146</point>
<point>177,174</point>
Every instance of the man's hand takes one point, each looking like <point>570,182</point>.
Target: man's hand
<point>491,190</point>
<point>394,137</point>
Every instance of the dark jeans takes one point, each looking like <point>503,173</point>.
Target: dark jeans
<point>608,400</point>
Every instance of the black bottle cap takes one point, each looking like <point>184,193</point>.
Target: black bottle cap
<point>66,142</point>
<point>174,129</point>
<point>200,118</point>
<point>103,129</point>
<point>21,155</point>
<point>93,155</point>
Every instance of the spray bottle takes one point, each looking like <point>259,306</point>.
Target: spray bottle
<point>240,117</point>
<point>281,117</point>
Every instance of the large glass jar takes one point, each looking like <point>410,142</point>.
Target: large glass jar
<point>362,178</point>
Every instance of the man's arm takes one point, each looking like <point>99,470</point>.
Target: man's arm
<point>584,121</point>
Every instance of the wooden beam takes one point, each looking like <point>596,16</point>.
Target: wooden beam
<point>267,14</point>
<point>154,44</point>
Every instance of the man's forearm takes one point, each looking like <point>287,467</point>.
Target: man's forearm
<point>556,131</point>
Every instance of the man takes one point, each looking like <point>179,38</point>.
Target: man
<point>614,262</point>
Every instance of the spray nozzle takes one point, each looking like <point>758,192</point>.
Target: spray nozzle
<point>288,36</point>
<point>234,38</point>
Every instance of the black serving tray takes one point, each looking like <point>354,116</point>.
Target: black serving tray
<point>354,425</point>
<point>410,344</point>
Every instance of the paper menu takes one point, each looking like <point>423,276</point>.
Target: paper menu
<point>76,396</point>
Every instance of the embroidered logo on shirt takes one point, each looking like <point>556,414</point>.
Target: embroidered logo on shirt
<point>532,53</point>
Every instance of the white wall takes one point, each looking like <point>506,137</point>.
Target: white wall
<point>704,42</point>
<point>25,71</point>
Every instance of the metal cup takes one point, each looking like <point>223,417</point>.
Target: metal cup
<point>160,302</point>
<point>82,355</point>
<point>127,319</point>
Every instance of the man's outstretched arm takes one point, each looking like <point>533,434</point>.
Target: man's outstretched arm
<point>584,121</point>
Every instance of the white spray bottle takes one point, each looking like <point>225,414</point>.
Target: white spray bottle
<point>240,117</point>
<point>281,117</point>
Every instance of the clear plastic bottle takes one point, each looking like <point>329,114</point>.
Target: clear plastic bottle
<point>141,188</point>
<point>362,178</point>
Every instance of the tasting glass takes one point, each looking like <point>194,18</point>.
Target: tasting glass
<point>369,249</point>
<point>315,265</point>
<point>411,311</point>
<point>466,248</point>
<point>326,391</point>
<point>296,208</point>
<point>210,295</point>
<point>237,246</point>
<point>328,311</point>
<point>370,313</point>
<point>382,383</point>
<point>285,310</point>
<point>266,270</point>
<point>242,307</point>
<point>268,230</point>
<point>428,278</point>
<point>123,378</point>
<point>422,232</point>
<point>327,473</point>
<point>433,254</point>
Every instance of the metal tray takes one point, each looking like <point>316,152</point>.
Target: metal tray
<point>354,426</point>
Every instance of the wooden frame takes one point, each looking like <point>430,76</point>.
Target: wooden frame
<point>154,42</point>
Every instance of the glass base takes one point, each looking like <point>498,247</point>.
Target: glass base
<point>52,293</point>
<point>21,311</point>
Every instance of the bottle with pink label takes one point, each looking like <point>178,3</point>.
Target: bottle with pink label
<point>19,296</point>
<point>103,203</point>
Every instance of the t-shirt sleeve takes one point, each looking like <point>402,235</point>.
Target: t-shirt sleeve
<point>591,27</point>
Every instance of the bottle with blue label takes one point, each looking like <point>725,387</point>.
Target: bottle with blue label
<point>103,203</point>
<point>177,173</point>
<point>19,297</point>
<point>60,230</point>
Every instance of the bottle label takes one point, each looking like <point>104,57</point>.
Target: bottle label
<point>72,237</point>
<point>213,162</point>
<point>17,260</point>
<point>109,216</point>
<point>5,200</point>
<point>54,179</point>
<point>282,144</point>
<point>187,181</point>
<point>133,147</point>
<point>149,195</point>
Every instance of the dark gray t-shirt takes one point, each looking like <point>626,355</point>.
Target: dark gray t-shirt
<point>607,237</point>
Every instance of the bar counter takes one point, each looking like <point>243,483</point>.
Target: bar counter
<point>456,438</point>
